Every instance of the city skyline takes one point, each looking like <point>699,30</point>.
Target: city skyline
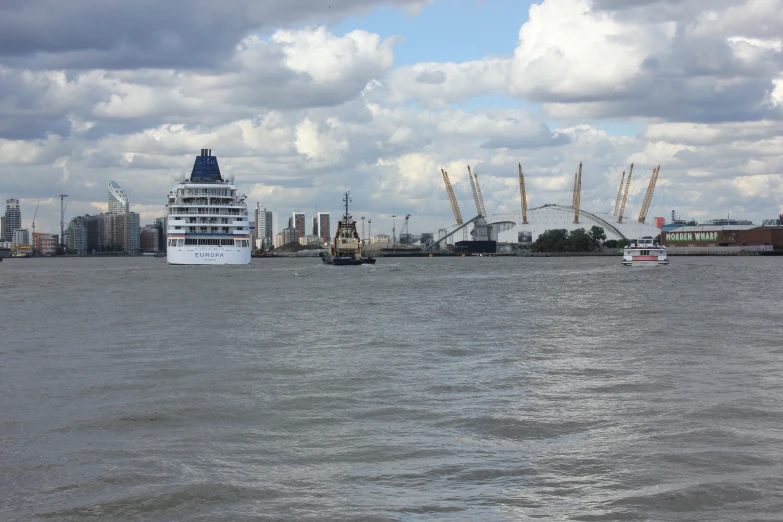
<point>693,86</point>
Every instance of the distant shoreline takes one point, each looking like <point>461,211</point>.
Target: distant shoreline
<point>603,253</point>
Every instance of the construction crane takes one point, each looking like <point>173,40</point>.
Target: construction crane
<point>34,216</point>
<point>625,195</point>
<point>452,198</point>
<point>619,195</point>
<point>475,193</point>
<point>480,197</point>
<point>648,196</point>
<point>522,195</point>
<point>405,231</point>
<point>578,193</point>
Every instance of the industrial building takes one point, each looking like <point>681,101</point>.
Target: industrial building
<point>744,237</point>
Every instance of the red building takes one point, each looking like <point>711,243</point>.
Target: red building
<point>45,243</point>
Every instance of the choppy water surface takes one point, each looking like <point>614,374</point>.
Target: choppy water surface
<point>453,389</point>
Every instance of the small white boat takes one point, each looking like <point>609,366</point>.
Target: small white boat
<point>644,252</point>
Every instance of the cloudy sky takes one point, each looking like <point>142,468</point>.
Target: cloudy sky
<point>302,99</point>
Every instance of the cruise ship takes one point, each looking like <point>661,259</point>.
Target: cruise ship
<point>207,218</point>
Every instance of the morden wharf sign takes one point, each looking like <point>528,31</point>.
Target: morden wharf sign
<point>691,236</point>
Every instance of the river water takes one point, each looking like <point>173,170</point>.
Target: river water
<point>417,389</point>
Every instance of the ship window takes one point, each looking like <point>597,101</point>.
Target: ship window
<point>180,242</point>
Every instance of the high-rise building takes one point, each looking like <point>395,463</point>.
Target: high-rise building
<point>324,226</point>
<point>161,226</point>
<point>148,238</point>
<point>131,243</point>
<point>124,231</point>
<point>315,225</point>
<point>290,235</point>
<point>265,227</point>
<point>22,237</point>
<point>13,219</point>
<point>118,199</point>
<point>104,233</point>
<point>298,224</point>
<point>2,228</point>
<point>76,235</point>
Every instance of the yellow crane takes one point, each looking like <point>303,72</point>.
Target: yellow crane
<point>475,192</point>
<point>522,195</point>
<point>452,198</point>
<point>625,195</point>
<point>480,197</point>
<point>648,196</point>
<point>577,193</point>
<point>573,194</point>
<point>619,195</point>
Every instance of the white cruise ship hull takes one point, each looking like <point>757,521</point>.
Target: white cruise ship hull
<point>208,255</point>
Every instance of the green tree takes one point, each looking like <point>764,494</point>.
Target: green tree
<point>579,241</point>
<point>551,241</point>
<point>597,236</point>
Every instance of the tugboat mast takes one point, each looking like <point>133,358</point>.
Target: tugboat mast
<point>347,199</point>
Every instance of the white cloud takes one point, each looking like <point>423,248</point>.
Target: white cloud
<point>321,148</point>
<point>328,59</point>
<point>439,84</point>
<point>566,51</point>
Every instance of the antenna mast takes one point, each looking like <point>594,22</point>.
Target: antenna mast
<point>62,219</point>
<point>578,194</point>
<point>347,199</point>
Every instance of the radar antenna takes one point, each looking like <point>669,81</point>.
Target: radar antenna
<point>347,199</point>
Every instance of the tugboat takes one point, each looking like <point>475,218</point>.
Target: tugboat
<point>347,246</point>
<point>645,252</point>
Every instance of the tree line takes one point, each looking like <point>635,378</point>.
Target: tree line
<point>579,240</point>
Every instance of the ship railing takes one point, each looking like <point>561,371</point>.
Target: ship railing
<point>175,212</point>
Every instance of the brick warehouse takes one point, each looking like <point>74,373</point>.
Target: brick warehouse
<point>724,236</point>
